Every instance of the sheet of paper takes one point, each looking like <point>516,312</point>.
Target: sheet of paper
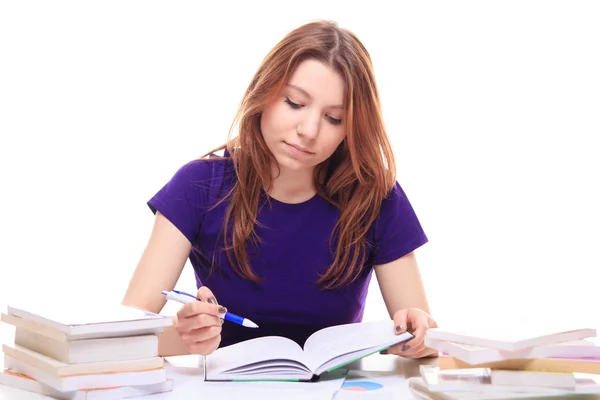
<point>373,385</point>
<point>189,384</point>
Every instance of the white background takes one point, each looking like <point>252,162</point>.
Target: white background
<point>492,108</point>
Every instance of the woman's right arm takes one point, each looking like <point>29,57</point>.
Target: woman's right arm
<point>159,269</point>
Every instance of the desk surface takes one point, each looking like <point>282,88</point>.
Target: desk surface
<point>188,386</point>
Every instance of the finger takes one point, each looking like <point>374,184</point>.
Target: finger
<point>200,307</point>
<point>200,335</point>
<point>205,347</point>
<point>206,294</point>
<point>419,327</point>
<point>396,349</point>
<point>402,349</point>
<point>417,340</point>
<point>215,343</point>
<point>400,326</point>
<point>400,321</point>
<point>197,322</point>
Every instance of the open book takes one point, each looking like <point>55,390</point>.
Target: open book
<point>279,358</point>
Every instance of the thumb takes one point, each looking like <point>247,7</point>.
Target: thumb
<point>205,294</point>
<point>400,321</point>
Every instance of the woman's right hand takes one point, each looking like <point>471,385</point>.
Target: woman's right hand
<point>199,323</point>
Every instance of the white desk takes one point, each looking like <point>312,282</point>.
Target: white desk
<point>187,375</point>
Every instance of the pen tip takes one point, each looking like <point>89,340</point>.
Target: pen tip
<point>249,324</point>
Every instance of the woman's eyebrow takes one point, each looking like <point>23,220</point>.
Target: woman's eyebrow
<point>304,92</point>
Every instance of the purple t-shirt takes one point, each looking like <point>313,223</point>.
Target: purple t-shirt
<point>294,250</point>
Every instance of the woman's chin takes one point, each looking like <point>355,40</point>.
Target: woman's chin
<point>292,164</point>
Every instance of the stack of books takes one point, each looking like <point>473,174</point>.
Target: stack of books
<point>510,364</point>
<point>74,352</point>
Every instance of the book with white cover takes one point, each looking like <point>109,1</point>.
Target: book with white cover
<point>89,350</point>
<point>533,378</point>
<point>510,338</point>
<point>60,368</point>
<point>481,380</point>
<point>89,381</point>
<point>420,391</point>
<point>24,382</point>
<point>87,321</point>
<point>562,365</point>
<point>479,355</point>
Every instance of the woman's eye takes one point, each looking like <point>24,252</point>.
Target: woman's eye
<point>295,106</point>
<point>292,104</point>
<point>334,121</point>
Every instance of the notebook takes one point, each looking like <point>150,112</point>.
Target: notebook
<point>69,322</point>
<point>279,358</point>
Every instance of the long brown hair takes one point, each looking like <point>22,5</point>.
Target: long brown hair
<point>356,178</point>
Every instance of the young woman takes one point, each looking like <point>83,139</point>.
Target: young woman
<point>287,225</point>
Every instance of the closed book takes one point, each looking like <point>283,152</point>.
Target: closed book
<point>89,350</point>
<point>60,368</point>
<point>474,380</point>
<point>482,381</point>
<point>420,391</point>
<point>532,378</point>
<point>477,354</point>
<point>509,338</point>
<point>63,321</point>
<point>581,365</point>
<point>24,382</point>
<point>87,381</point>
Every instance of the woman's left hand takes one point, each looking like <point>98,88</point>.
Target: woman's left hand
<point>417,322</point>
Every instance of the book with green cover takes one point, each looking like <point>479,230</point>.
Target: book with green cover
<point>279,358</point>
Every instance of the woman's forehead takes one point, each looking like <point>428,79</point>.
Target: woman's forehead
<point>317,81</point>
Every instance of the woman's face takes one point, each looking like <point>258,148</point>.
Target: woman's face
<point>304,125</point>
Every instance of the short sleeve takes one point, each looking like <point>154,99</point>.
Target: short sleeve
<point>183,200</point>
<point>398,231</point>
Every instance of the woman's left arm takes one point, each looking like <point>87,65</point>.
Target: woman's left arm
<point>404,296</point>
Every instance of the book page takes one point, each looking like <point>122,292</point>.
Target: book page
<point>252,352</point>
<point>334,341</point>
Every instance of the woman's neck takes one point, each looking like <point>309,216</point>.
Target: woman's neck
<point>293,186</point>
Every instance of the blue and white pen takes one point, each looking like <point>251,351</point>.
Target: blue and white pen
<point>184,298</point>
